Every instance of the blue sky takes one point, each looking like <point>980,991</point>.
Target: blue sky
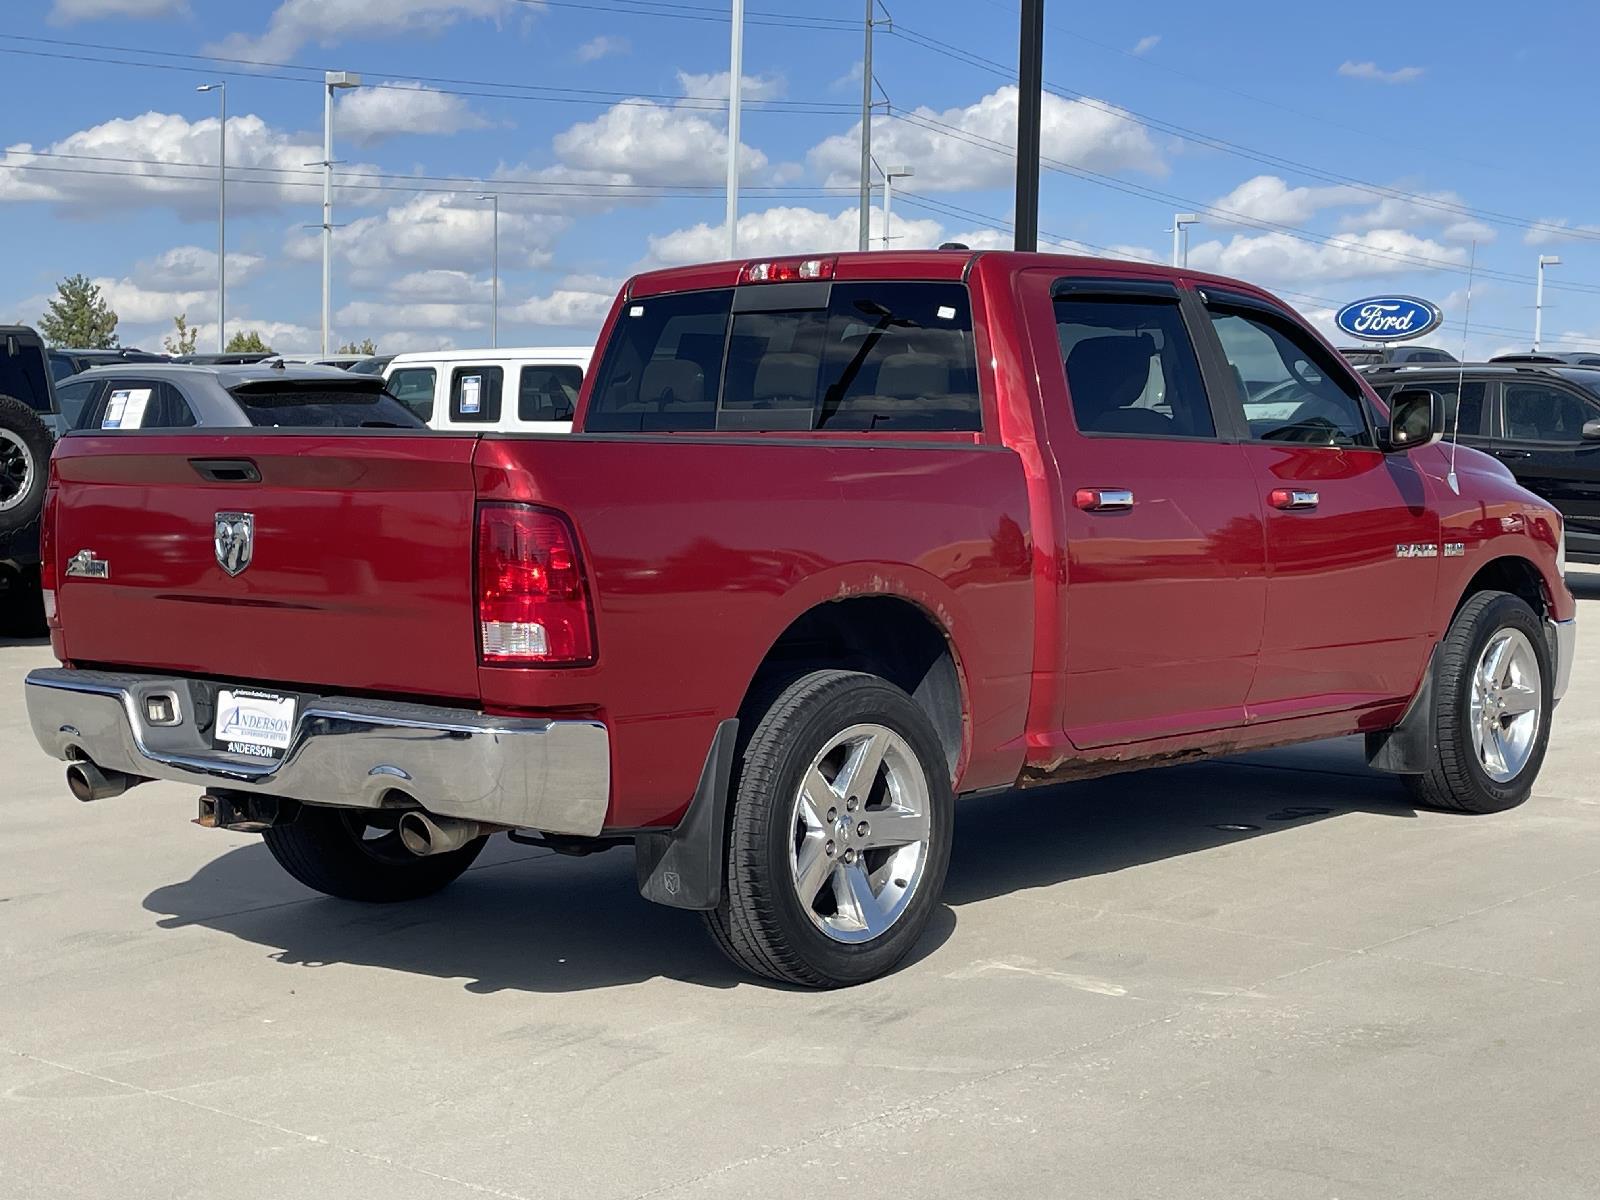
<point>1331,157</point>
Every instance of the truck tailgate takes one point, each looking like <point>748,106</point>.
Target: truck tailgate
<point>359,571</point>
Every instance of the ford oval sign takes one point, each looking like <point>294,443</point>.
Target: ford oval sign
<point>1388,318</point>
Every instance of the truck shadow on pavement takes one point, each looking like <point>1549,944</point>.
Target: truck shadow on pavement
<point>540,922</point>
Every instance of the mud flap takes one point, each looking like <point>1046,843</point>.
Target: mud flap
<point>683,867</point>
<point>1409,748</point>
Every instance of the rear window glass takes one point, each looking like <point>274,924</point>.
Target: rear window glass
<point>475,394</point>
<point>880,356</point>
<point>71,398</point>
<point>320,407</point>
<point>548,393</point>
<point>23,372</point>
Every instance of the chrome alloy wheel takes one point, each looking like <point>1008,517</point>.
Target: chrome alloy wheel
<point>16,470</point>
<point>1506,697</point>
<point>861,828</point>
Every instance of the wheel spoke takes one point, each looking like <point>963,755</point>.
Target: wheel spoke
<point>853,891</point>
<point>1494,755</point>
<point>860,770</point>
<point>812,867</point>
<point>895,826</point>
<point>1519,698</point>
<point>1493,662</point>
<point>816,797</point>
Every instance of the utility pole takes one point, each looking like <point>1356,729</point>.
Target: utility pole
<point>1030,99</point>
<point>222,213</point>
<point>332,81</point>
<point>735,87</point>
<point>494,312</point>
<point>865,241</point>
<point>1545,260</point>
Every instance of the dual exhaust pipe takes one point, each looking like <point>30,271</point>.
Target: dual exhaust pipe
<point>423,834</point>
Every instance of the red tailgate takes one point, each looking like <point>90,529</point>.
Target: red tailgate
<point>360,571</point>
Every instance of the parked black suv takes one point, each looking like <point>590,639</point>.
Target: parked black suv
<point>1542,421</point>
<point>1394,356</point>
<point>27,435</point>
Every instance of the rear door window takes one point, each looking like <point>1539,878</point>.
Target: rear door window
<point>1472,411</point>
<point>475,395</point>
<point>413,387</point>
<point>1538,412</point>
<point>1131,368</point>
<point>72,397</point>
<point>317,405</point>
<point>131,404</point>
<point>548,393</point>
<point>876,357</point>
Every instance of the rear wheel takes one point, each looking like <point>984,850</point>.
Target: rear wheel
<point>840,834</point>
<point>357,855</point>
<point>1492,708</point>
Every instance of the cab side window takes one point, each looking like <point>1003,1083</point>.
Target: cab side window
<point>1291,389</point>
<point>1537,412</point>
<point>413,387</point>
<point>475,394</point>
<point>135,404</point>
<point>548,393</point>
<point>1131,368</point>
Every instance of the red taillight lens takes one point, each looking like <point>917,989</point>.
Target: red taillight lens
<point>533,600</point>
<point>788,270</point>
<point>47,557</point>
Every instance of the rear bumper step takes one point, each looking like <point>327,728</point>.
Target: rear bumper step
<point>528,773</point>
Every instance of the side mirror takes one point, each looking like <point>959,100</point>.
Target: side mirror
<point>1591,430</point>
<point>1416,418</point>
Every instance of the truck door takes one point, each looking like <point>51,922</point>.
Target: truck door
<point>1352,540</point>
<point>1545,448</point>
<point>1164,590</point>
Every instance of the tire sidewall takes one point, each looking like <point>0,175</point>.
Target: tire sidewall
<point>20,420</point>
<point>1505,611</point>
<point>875,701</point>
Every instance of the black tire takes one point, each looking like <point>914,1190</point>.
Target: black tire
<point>25,445</point>
<point>1456,780</point>
<point>761,923</point>
<point>324,848</point>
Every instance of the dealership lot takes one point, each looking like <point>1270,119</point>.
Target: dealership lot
<point>1267,977</point>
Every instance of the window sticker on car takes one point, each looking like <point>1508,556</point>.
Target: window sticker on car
<point>946,313</point>
<point>471,393</point>
<point>125,409</point>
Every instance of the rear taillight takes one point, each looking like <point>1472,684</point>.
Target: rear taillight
<point>788,270</point>
<point>533,600</point>
<point>47,557</point>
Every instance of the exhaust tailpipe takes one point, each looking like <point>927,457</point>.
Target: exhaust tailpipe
<point>423,834</point>
<point>88,782</point>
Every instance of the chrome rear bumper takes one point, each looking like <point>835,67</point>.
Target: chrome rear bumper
<point>549,775</point>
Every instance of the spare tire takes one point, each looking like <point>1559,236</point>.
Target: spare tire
<point>25,444</point>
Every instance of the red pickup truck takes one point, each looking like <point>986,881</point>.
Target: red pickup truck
<point>836,540</point>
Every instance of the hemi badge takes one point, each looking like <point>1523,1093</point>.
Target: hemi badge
<point>1455,549</point>
<point>84,565</point>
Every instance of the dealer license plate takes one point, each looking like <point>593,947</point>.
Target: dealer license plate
<point>259,724</point>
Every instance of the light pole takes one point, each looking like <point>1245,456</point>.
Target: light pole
<point>1030,101</point>
<point>221,89</point>
<point>1180,237</point>
<point>735,86</point>
<point>890,174</point>
<point>866,134</point>
<point>494,312</point>
<point>332,81</point>
<point>1545,260</point>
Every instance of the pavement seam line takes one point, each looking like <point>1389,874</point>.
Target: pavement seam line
<point>312,1138</point>
<point>1477,912</point>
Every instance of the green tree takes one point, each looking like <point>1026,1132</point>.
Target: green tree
<point>364,346</point>
<point>79,316</point>
<point>247,342</point>
<point>183,339</point>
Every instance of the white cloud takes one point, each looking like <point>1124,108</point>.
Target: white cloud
<point>64,12</point>
<point>715,86</point>
<point>994,239</point>
<point>1146,44</point>
<point>429,232</point>
<point>167,161</point>
<point>185,267</point>
<point>364,314</point>
<point>1085,133</point>
<point>1552,230</point>
<point>297,23</point>
<point>577,302</point>
<point>1376,74</point>
<point>787,230</point>
<point>600,47</point>
<point>370,114</point>
<point>655,143</point>
<point>1278,258</point>
<point>1266,198</point>
<point>1426,210</point>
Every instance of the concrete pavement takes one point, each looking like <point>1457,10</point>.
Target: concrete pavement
<point>1263,978</point>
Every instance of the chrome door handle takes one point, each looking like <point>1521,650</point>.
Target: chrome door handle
<point>1103,499</point>
<point>1293,499</point>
